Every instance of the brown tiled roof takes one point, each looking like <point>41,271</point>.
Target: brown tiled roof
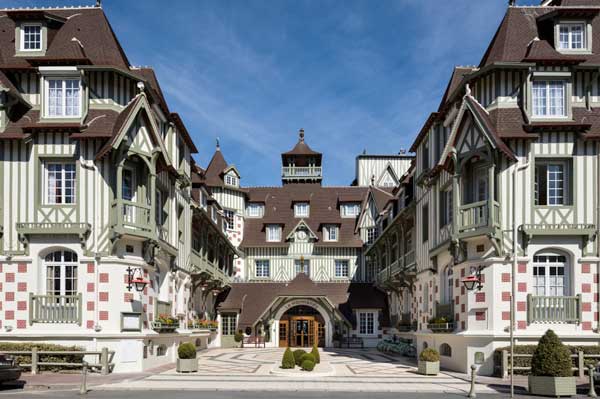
<point>541,51</point>
<point>381,196</point>
<point>458,74</point>
<point>215,168</point>
<point>184,132</point>
<point>324,209</point>
<point>253,299</point>
<point>301,148</point>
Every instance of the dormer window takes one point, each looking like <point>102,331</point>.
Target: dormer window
<point>255,210</point>
<point>273,233</point>
<point>549,99</point>
<point>301,209</point>
<point>62,98</point>
<point>331,233</point>
<point>31,37</point>
<point>571,36</point>
<point>350,210</point>
<point>231,180</point>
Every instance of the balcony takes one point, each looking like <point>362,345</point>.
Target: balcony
<point>553,309</point>
<point>301,172</point>
<point>478,218</point>
<point>132,218</point>
<point>443,321</point>
<point>56,309</point>
<point>201,265</point>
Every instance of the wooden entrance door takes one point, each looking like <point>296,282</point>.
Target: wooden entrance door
<point>304,331</point>
<point>284,332</point>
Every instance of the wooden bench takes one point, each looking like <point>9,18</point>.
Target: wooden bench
<point>353,342</point>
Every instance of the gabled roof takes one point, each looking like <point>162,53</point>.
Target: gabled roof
<point>300,224</point>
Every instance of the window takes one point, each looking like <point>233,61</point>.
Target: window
<point>301,209</point>
<point>31,37</point>
<point>255,210</point>
<point>425,154</point>
<point>63,98</point>
<point>330,233</point>
<point>263,269</point>
<point>229,219</point>
<point>350,210</point>
<point>425,222</point>
<point>341,268</point>
<point>302,266</point>
<point>445,350</point>
<point>549,98</point>
<point>551,185</point>
<point>549,276</point>
<point>231,180</point>
<point>61,273</point>
<point>371,235</point>
<point>446,207</point>
<point>571,37</point>
<point>60,183</point>
<point>448,286</point>
<point>366,323</point>
<point>425,307</point>
<point>273,233</point>
<point>228,322</point>
<point>213,214</point>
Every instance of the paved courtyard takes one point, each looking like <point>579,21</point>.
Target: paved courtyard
<point>250,370</point>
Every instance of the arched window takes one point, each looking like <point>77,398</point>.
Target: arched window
<point>426,298</point>
<point>550,274</point>
<point>61,273</point>
<point>445,350</point>
<point>447,285</point>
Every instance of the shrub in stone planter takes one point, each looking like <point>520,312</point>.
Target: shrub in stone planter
<point>288,361</point>
<point>307,365</point>
<point>186,359</point>
<point>316,354</point>
<point>429,362</point>
<point>551,372</point>
<point>239,338</point>
<point>298,353</point>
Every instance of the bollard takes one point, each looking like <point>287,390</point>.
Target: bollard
<point>83,387</point>
<point>104,361</point>
<point>34,360</point>
<point>592,392</point>
<point>472,391</point>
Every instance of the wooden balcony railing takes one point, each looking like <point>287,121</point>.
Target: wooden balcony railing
<point>409,259</point>
<point>553,309</point>
<point>132,217</point>
<point>476,216</point>
<point>55,309</point>
<point>301,171</point>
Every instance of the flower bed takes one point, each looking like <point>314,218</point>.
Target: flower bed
<point>199,324</point>
<point>401,347</point>
<point>165,323</point>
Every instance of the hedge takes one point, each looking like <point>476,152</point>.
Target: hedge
<point>27,346</point>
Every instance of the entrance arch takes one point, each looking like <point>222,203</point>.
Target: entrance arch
<point>302,323</point>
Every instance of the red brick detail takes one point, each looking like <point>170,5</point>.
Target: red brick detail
<point>595,316</point>
<point>506,277</point>
<point>522,268</point>
<point>482,278</point>
<point>595,278</point>
<point>126,278</point>
<point>456,317</point>
<point>586,287</point>
<point>146,290</point>
<point>522,287</point>
<point>145,307</point>
<point>586,325</point>
<point>10,278</point>
<point>22,305</point>
<point>22,268</point>
<point>521,306</point>
<point>0,287</point>
<point>103,277</point>
<point>103,314</point>
<point>90,269</point>
<point>462,272</point>
<point>103,296</point>
<point>9,315</point>
<point>22,287</point>
<point>462,290</point>
<point>505,315</point>
<point>596,297</point>
<point>0,305</point>
<point>585,268</point>
<point>456,281</point>
<point>521,325</point>
<point>462,308</point>
<point>90,287</point>
<point>462,325</point>
<point>480,297</point>
<point>150,300</point>
<point>586,306</point>
<point>89,324</point>
<point>91,305</point>
<point>480,315</point>
<point>9,296</point>
<point>506,296</point>
<point>436,289</point>
<point>456,300</point>
<point>21,324</point>
<point>128,297</point>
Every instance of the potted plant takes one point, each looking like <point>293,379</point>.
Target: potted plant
<point>186,359</point>
<point>441,324</point>
<point>551,368</point>
<point>165,323</point>
<point>429,362</point>
<point>239,338</point>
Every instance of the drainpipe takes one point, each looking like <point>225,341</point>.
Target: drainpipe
<point>513,275</point>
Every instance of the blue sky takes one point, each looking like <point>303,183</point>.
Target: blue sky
<point>354,74</point>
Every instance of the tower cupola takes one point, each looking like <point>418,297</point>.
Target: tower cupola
<point>301,164</point>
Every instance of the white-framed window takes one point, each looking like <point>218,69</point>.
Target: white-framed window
<point>448,286</point>
<point>31,37</point>
<point>371,235</point>
<point>273,233</point>
<point>366,323</point>
<point>203,199</point>
<point>350,210</point>
<point>229,219</point>
<point>341,268</point>
<point>548,98</point>
<point>61,273</point>
<point>550,274</point>
<point>213,214</point>
<point>301,210</point>
<point>331,233</point>
<point>255,210</point>
<point>62,98</point>
<point>302,266</point>
<point>571,36</point>
<point>551,185</point>
<point>60,180</point>
<point>231,180</point>
<point>263,268</point>
<point>228,324</point>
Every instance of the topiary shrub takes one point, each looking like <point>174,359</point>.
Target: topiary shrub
<point>551,358</point>
<point>288,361</point>
<point>316,355</point>
<point>186,350</point>
<point>307,365</point>
<point>298,353</point>
<point>239,336</point>
<point>429,355</point>
<point>307,356</point>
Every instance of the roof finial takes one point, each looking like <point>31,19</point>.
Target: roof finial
<point>301,134</point>
<point>218,145</point>
<point>99,3</point>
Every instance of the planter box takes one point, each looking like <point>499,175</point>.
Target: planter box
<point>441,327</point>
<point>552,386</point>
<point>429,368</point>
<point>187,365</point>
<point>160,327</point>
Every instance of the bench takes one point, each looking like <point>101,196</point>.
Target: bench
<point>353,342</point>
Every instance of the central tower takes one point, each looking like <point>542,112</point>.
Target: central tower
<point>301,164</point>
